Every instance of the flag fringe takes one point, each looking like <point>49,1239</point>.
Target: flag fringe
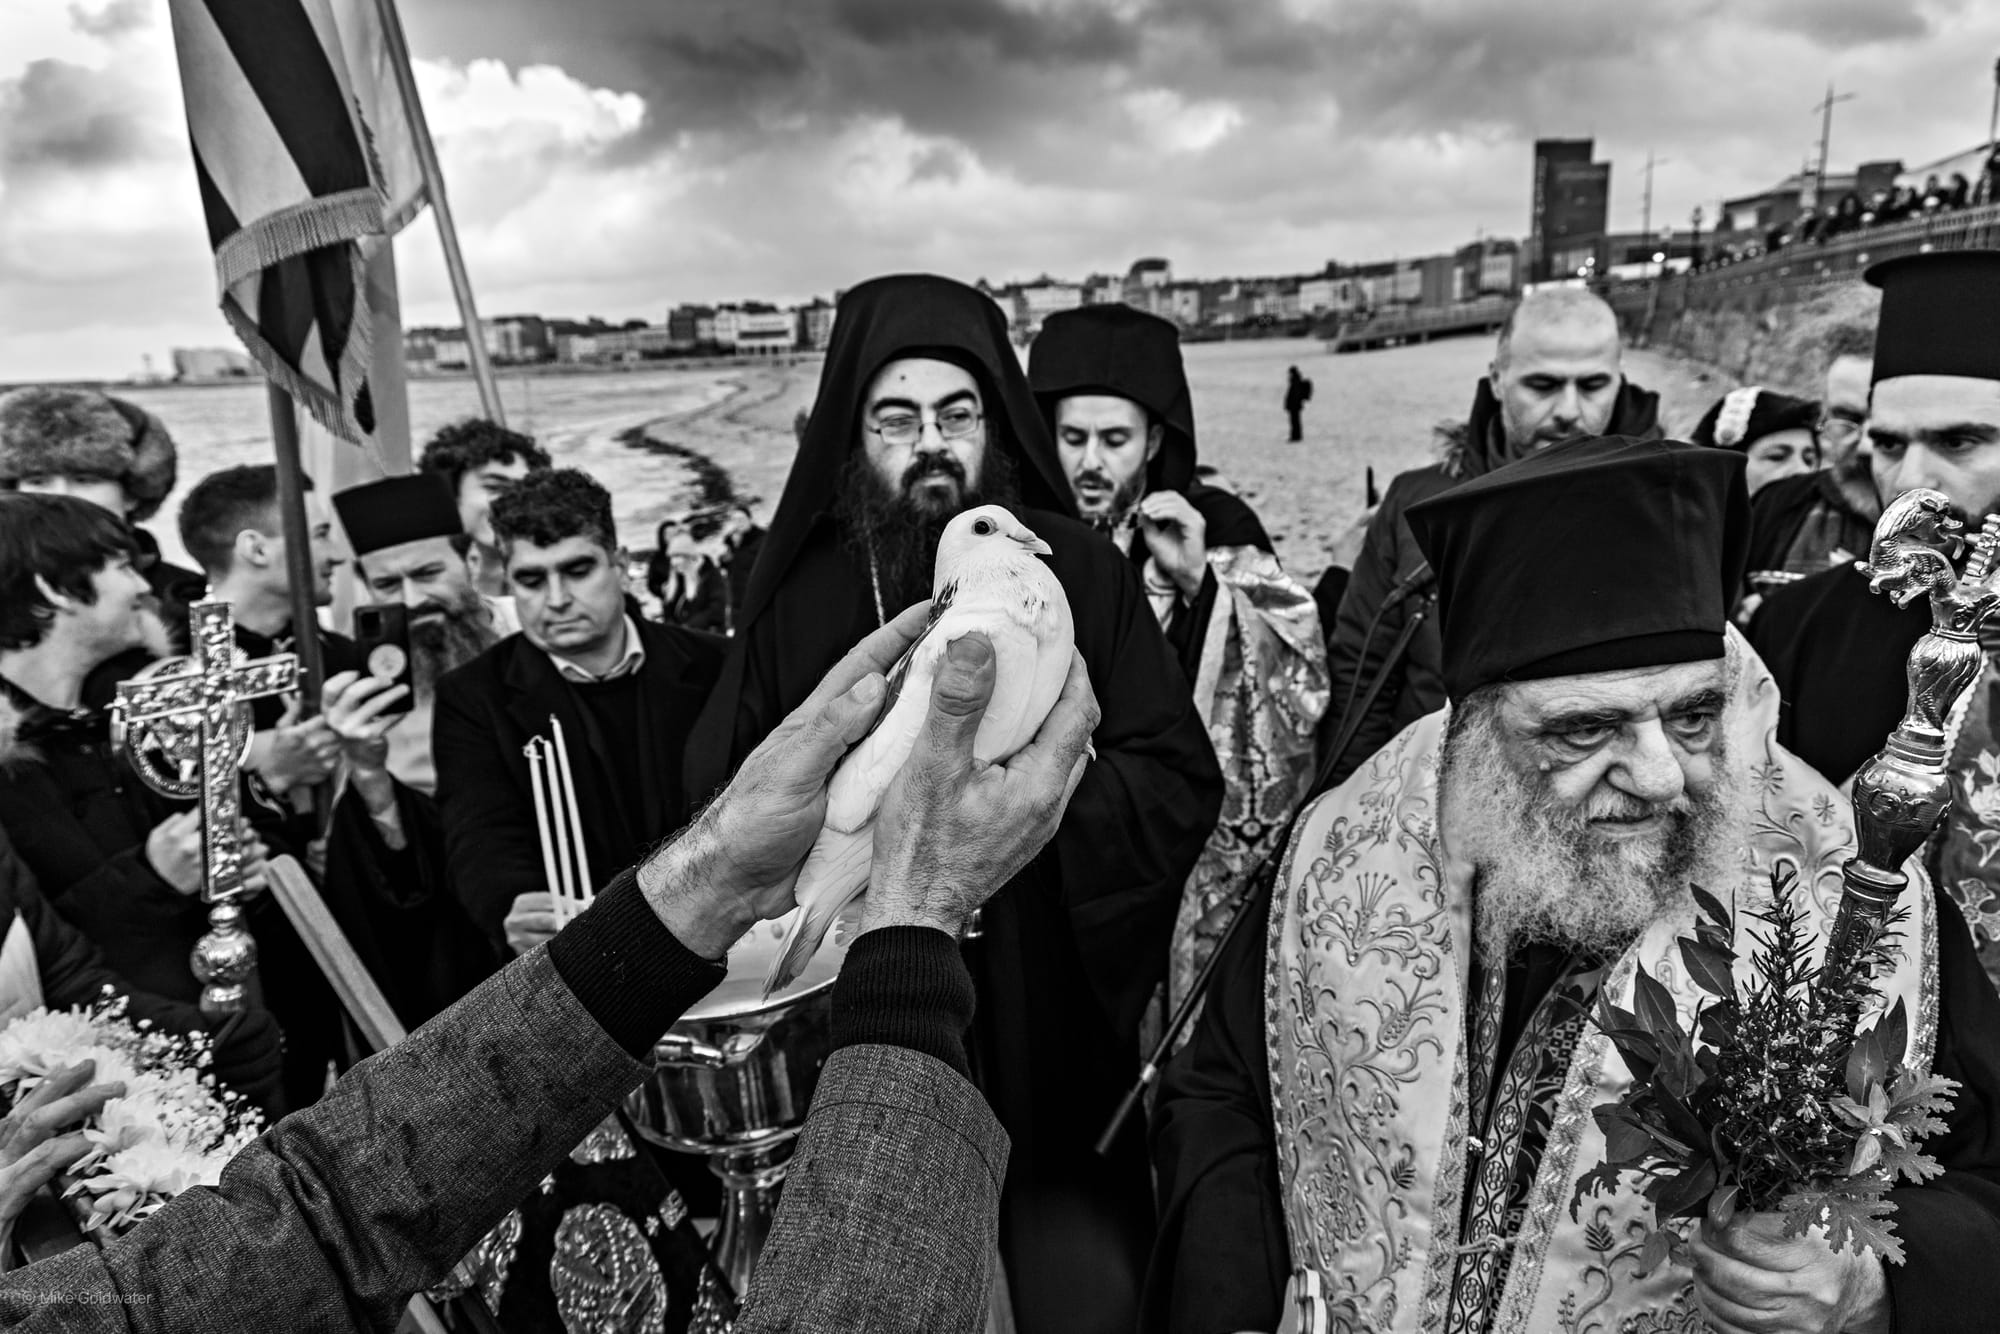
<point>315,224</point>
<point>332,410</point>
<point>396,219</point>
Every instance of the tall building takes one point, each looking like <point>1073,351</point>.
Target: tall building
<point>211,363</point>
<point>1572,204</point>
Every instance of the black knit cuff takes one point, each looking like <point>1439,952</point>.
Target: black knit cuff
<point>630,972</point>
<point>905,986</point>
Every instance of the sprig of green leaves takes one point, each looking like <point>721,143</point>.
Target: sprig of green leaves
<point>1772,1102</point>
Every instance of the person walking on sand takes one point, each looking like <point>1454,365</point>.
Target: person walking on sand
<point>1298,392</point>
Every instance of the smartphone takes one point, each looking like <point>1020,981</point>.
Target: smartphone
<point>1374,496</point>
<point>382,633</point>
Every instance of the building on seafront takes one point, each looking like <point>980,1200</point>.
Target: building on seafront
<point>1569,239</point>
<point>212,363</point>
<point>1569,209</point>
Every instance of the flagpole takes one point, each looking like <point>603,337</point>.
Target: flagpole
<point>454,258</point>
<point>298,549</point>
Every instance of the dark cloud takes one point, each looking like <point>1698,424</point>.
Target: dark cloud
<point>60,116</point>
<point>1837,25</point>
<point>793,148</point>
<point>114,20</point>
<point>940,162</point>
<point>1080,35</point>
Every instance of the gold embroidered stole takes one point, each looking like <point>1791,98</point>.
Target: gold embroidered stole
<point>1260,689</point>
<point>1365,994</point>
<point>1506,1144</point>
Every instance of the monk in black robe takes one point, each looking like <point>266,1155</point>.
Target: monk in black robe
<point>1073,949</point>
<point>1836,649</point>
<point>1114,392</point>
<point>1385,1108</point>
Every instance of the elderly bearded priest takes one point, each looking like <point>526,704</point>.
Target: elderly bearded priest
<point>1607,744</point>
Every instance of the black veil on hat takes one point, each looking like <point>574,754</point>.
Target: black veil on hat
<point>1116,350</point>
<point>1593,555</point>
<point>882,320</point>
<point>1126,353</point>
<point>395,510</point>
<point>1940,315</point>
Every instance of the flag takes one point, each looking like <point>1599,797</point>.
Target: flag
<point>372,74</point>
<point>288,186</point>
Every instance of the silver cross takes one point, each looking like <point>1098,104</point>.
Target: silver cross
<point>193,714</point>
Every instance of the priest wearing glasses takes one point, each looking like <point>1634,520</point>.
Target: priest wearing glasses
<point>923,411</point>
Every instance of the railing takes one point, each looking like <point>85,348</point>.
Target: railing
<point>1423,322</point>
<point>1807,264</point>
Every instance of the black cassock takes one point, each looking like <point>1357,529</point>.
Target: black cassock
<point>1074,946</point>
<point>1839,654</point>
<point>397,908</point>
<point>1222,1258</point>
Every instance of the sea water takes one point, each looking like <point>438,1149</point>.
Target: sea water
<point>1370,409</point>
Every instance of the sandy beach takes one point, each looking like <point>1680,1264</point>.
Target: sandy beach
<point>1370,409</point>
<point>665,438</point>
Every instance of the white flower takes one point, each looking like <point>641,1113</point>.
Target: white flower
<point>124,1123</point>
<point>43,1040</point>
<point>171,1130</point>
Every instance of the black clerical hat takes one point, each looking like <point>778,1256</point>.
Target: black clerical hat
<point>1940,315</point>
<point>396,510</point>
<point>1126,353</point>
<point>1594,555</point>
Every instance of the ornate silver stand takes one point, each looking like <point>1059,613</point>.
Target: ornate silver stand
<point>751,1180</point>
<point>1901,794</point>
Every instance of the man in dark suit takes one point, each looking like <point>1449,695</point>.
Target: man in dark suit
<point>336,1215</point>
<point>625,691</point>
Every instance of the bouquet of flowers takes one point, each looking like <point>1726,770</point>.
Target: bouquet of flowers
<point>1772,1102</point>
<point>174,1127</point>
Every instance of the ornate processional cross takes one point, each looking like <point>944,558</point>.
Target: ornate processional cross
<point>1900,796</point>
<point>185,726</point>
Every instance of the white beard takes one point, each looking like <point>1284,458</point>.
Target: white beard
<point>1543,875</point>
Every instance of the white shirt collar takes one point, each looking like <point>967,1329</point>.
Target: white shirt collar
<point>634,658</point>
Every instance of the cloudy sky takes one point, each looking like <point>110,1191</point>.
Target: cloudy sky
<point>613,157</point>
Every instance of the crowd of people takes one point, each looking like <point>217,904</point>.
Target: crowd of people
<point>1855,212</point>
<point>1390,845</point>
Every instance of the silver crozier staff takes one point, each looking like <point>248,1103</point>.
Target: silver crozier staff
<point>1901,794</point>
<point>564,859</point>
<point>184,724</point>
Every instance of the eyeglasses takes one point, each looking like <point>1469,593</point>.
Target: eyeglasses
<point>1838,429</point>
<point>906,428</point>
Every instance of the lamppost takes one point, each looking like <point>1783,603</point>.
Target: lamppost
<point>1825,108</point>
<point>1989,175</point>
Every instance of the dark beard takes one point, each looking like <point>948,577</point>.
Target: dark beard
<point>444,636</point>
<point>902,533</point>
<point>1125,497</point>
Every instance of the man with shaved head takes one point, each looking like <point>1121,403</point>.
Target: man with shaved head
<point>1557,374</point>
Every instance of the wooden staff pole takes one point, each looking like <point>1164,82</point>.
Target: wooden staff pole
<point>298,549</point>
<point>427,161</point>
<point>298,560</point>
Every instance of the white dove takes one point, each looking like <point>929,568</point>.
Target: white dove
<point>988,579</point>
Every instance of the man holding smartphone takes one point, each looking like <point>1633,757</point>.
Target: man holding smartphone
<point>389,883</point>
